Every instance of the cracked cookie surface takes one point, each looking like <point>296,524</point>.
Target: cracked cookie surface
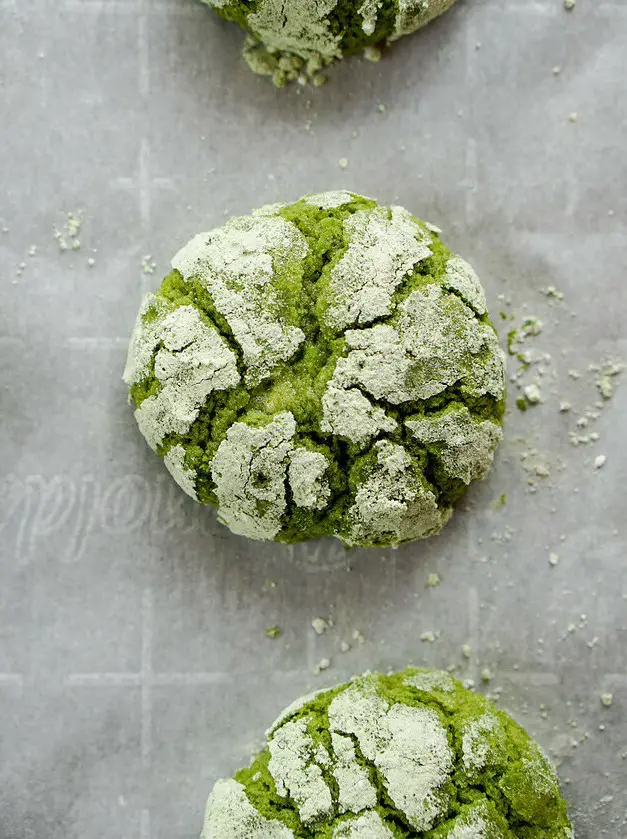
<point>413,755</point>
<point>325,367</point>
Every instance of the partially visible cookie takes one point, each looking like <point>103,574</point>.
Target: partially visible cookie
<point>413,755</point>
<point>290,39</point>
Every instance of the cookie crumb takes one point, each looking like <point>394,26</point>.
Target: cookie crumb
<point>532,394</point>
<point>319,626</point>
<point>372,54</point>
<point>322,665</point>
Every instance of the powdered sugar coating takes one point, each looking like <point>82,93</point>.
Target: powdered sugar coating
<point>295,768</point>
<point>174,460</point>
<point>356,792</point>
<point>464,447</point>
<point>348,413</point>
<point>238,264</point>
<point>307,469</point>
<point>461,277</point>
<point>249,472</point>
<point>329,200</point>
<point>193,361</point>
<point>394,503</point>
<point>385,244</point>
<point>230,815</point>
<point>366,826</point>
<point>409,746</point>
<point>432,680</point>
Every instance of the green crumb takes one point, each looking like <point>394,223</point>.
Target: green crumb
<point>411,755</point>
<point>321,368</point>
<point>372,54</point>
<point>433,580</point>
<point>521,403</point>
<point>531,326</point>
<point>605,383</point>
<point>295,40</point>
<point>501,501</point>
<point>532,394</point>
<point>273,632</point>
<point>148,264</point>
<point>605,386</point>
<point>68,237</point>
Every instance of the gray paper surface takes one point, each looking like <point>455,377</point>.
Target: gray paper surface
<point>134,665</point>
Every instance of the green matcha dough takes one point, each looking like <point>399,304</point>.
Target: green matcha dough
<point>392,757</point>
<point>292,39</point>
<point>320,368</point>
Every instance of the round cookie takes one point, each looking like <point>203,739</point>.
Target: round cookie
<point>413,755</point>
<point>320,368</point>
<point>296,38</point>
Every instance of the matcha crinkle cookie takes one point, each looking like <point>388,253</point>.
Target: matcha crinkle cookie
<point>404,756</point>
<point>320,368</point>
<point>296,38</point>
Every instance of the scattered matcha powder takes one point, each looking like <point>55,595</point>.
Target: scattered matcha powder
<point>273,632</point>
<point>148,265</point>
<point>68,238</point>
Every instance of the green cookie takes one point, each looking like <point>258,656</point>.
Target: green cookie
<point>409,756</point>
<point>322,368</point>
